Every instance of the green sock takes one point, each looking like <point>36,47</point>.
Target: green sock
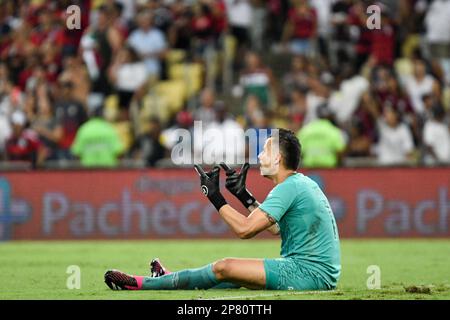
<point>200,278</point>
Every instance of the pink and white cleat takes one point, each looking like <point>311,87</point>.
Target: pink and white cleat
<point>157,269</point>
<point>117,280</point>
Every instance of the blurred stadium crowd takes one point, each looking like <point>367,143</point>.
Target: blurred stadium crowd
<point>113,92</point>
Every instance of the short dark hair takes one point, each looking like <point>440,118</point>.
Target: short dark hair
<point>290,148</point>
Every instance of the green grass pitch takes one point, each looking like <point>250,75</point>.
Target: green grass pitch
<point>37,270</point>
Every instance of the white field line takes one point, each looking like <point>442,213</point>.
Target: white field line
<point>262,295</point>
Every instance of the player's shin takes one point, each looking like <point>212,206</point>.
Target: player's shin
<point>200,278</point>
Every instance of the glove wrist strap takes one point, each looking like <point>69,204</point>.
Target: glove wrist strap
<point>217,200</point>
<point>247,199</point>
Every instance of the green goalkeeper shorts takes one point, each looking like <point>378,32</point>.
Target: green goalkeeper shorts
<point>289,274</point>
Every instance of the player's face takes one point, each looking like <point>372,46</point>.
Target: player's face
<point>269,159</point>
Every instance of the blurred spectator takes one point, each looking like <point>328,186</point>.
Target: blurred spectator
<point>33,74</point>
<point>75,72</point>
<point>317,95</point>
<point>359,144</point>
<point>359,34</point>
<point>46,31</point>
<point>395,145</point>
<point>437,24</point>
<point>5,108</point>
<point>276,17</point>
<point>202,26</point>
<point>341,50</point>
<point>170,136</point>
<point>436,138</point>
<point>71,114</point>
<point>128,10</point>
<point>258,26</point>
<point>256,79</point>
<point>71,37</point>
<point>46,125</point>
<point>430,102</point>
<point>119,22</point>
<point>225,140</point>
<point>298,108</point>
<point>149,42</point>
<point>12,98</point>
<point>107,32</point>
<point>301,28</point>
<point>97,143</point>
<point>179,33</point>
<point>239,14</point>
<point>322,142</point>
<point>382,47</point>
<point>99,44</point>
<point>254,115</point>
<point>205,112</point>
<point>344,102</point>
<point>51,60</point>
<point>23,144</point>
<point>127,74</point>
<point>437,36</point>
<point>323,9</point>
<point>420,84</point>
<point>5,26</point>
<point>389,92</point>
<point>297,76</point>
<point>219,12</point>
<point>364,119</point>
<point>148,146</point>
<point>162,16</point>
<point>257,126</point>
<point>5,133</point>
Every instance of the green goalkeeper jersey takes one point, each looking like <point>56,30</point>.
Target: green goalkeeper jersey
<point>307,226</point>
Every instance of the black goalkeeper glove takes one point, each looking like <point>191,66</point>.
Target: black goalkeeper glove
<point>235,183</point>
<point>209,182</point>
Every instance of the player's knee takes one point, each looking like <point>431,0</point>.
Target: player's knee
<point>222,268</point>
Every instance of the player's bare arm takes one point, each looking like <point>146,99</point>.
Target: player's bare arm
<point>235,184</point>
<point>245,227</point>
<point>274,228</point>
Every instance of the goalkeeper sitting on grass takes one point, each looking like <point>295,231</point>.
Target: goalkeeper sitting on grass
<point>296,208</point>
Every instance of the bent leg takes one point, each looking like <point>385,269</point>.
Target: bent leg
<point>247,273</point>
<point>157,268</point>
<point>223,274</point>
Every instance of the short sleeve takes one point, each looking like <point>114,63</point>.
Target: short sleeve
<point>279,200</point>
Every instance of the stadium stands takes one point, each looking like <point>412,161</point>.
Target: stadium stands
<point>323,49</point>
